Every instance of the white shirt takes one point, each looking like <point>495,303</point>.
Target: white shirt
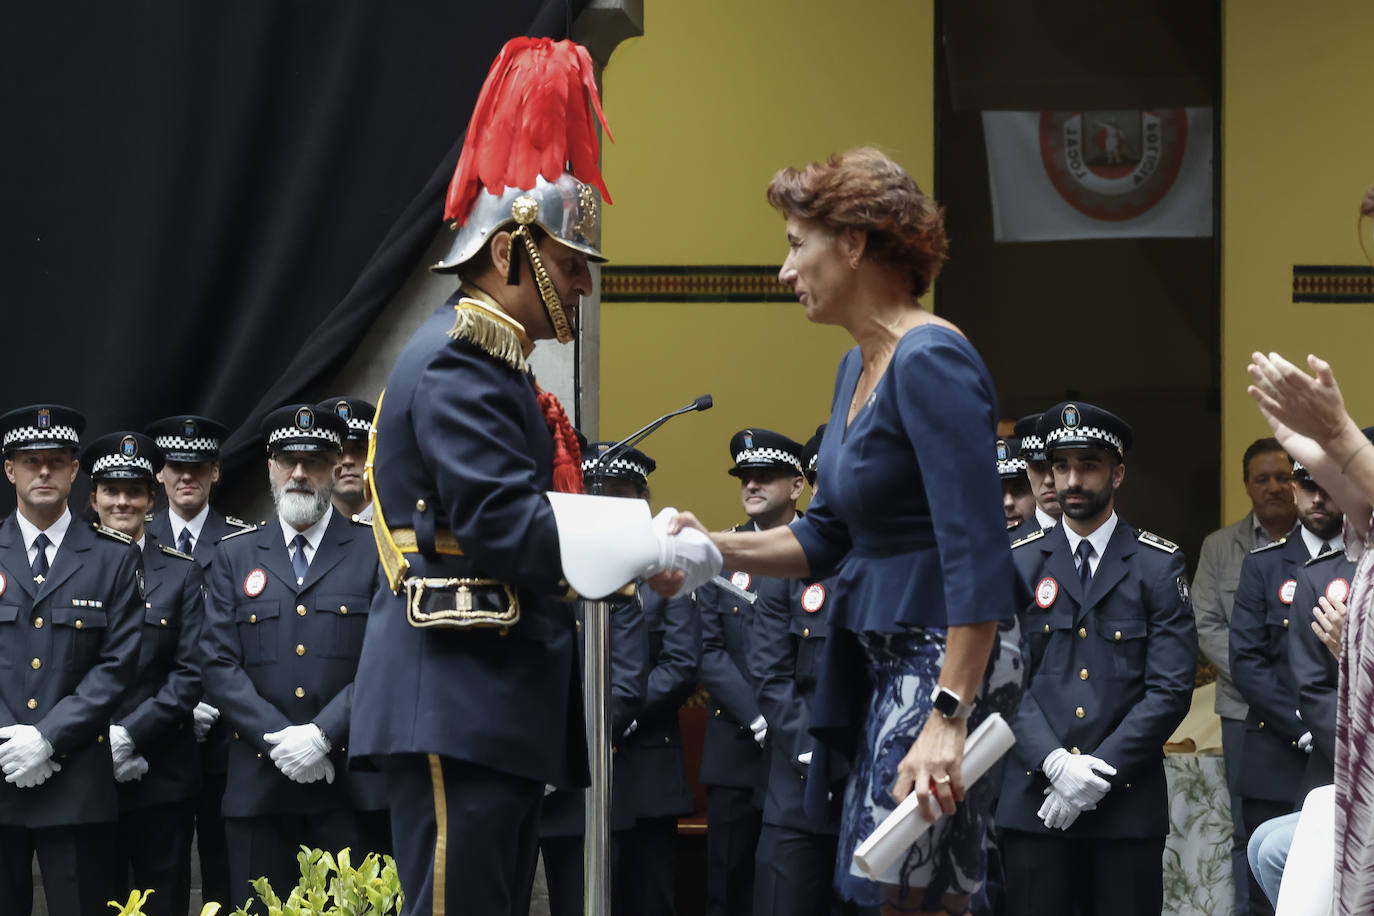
<point>1098,539</point>
<point>313,535</point>
<point>1316,546</point>
<point>28,530</point>
<point>1044,519</point>
<point>139,543</point>
<point>195,524</point>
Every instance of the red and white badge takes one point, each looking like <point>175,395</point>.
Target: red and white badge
<point>741,580</point>
<point>3,582</point>
<point>1337,590</point>
<point>254,583</point>
<point>813,598</point>
<point>1287,589</point>
<point>1046,592</point>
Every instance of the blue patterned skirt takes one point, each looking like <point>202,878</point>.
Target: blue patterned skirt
<point>951,857</point>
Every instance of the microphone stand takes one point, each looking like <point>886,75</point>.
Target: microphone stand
<point>596,688</point>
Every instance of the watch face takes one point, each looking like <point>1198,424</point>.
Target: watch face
<point>945,702</point>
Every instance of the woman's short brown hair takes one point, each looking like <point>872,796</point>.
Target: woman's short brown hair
<point>864,189</point>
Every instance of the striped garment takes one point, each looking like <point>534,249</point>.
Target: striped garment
<point>1354,888</point>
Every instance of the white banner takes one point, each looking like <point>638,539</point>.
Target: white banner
<point>1100,174</point>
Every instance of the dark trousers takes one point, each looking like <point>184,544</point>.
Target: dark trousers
<point>78,864</point>
<point>563,872</point>
<point>794,873</point>
<point>647,885</point>
<point>211,846</point>
<point>1089,877</point>
<point>267,846</point>
<point>466,836</point>
<point>732,836</point>
<point>155,843</point>
<point>1255,812</point>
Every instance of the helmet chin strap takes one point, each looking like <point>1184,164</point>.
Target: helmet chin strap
<point>553,304</point>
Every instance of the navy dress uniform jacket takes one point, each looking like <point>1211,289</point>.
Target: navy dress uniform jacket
<point>785,655</point>
<point>1315,670</point>
<point>462,444</point>
<point>285,654</point>
<point>651,766</point>
<point>68,650</point>
<point>1260,620</point>
<point>1110,674</point>
<point>730,756</point>
<point>157,707</point>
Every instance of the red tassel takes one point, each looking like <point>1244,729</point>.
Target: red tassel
<point>567,455</point>
<point>532,118</point>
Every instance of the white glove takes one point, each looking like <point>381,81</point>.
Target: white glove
<point>205,716</point>
<point>805,759</point>
<point>1056,812</point>
<point>1305,743</point>
<point>689,550</point>
<point>299,750</point>
<point>26,756</point>
<point>1076,778</point>
<point>634,724</point>
<point>134,767</point>
<point>121,744</point>
<point>760,729</point>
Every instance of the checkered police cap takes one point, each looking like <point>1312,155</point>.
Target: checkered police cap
<point>41,426</point>
<point>123,454</point>
<point>300,427</point>
<point>1079,425</point>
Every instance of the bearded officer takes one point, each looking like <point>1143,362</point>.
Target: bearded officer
<point>152,736</point>
<point>288,606</point>
<point>350,488</point>
<point>70,611</point>
<point>1112,650</point>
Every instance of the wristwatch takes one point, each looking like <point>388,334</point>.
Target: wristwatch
<point>949,704</point>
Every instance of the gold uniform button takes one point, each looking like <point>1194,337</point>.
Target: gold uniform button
<point>343,609</point>
<point>420,505</point>
<point>1261,725</point>
<point>1080,712</point>
<point>236,736</point>
<point>1082,633</point>
<point>300,610</point>
<point>1285,623</point>
<point>1117,636</point>
<point>717,713</point>
<point>259,756</point>
<point>300,649</point>
<point>300,692</point>
<point>32,704</point>
<point>734,610</point>
<point>1083,674</point>
<point>78,623</point>
<point>1047,628</point>
<point>252,618</point>
<point>806,631</point>
<point>577,625</point>
<point>38,623</point>
<point>98,739</point>
<point>667,740</point>
<point>1074,750</point>
<point>36,664</point>
<point>164,621</point>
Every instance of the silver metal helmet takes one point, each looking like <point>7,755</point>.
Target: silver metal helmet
<point>565,208</point>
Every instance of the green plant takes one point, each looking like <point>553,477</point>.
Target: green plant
<point>134,906</point>
<point>331,886</point>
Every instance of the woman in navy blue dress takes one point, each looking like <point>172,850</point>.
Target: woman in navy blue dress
<point>909,516</point>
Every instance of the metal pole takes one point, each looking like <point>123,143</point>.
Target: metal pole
<point>596,679</point>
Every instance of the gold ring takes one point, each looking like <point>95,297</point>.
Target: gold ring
<point>941,780</point>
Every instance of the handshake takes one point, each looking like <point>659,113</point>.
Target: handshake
<point>689,551</point>
<point>1076,785</point>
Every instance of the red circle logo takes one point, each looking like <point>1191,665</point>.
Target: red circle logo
<point>813,598</point>
<point>740,580</point>
<point>1287,589</point>
<point>1046,592</point>
<point>1337,590</point>
<point>1113,165</point>
<point>254,583</point>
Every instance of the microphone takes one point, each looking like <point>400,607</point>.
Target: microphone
<point>615,451</point>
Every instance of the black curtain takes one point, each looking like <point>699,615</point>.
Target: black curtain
<point>205,205</point>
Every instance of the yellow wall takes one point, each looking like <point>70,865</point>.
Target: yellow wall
<point>712,100</point>
<point>1297,154</point>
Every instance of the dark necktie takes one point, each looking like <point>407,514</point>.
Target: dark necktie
<point>1085,569</point>
<point>40,559</point>
<point>184,542</point>
<point>298,561</point>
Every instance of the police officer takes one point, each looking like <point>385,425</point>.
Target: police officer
<point>1031,449</point>
<point>152,736</point>
<point>350,488</point>
<point>1084,808</point>
<point>1018,500</point>
<point>288,606</point>
<point>733,766</point>
<point>70,612</point>
<point>190,448</point>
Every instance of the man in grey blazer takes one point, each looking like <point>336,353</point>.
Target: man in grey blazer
<point>1268,476</point>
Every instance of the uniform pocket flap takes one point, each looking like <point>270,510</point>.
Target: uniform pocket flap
<point>1119,630</point>
<point>9,613</point>
<point>342,604</point>
<point>159,616</point>
<point>78,617</point>
<point>254,611</point>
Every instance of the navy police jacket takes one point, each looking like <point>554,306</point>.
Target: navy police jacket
<point>68,650</point>
<point>651,759</point>
<point>1315,670</point>
<point>157,707</point>
<point>1260,621</point>
<point>461,444</point>
<point>278,653</point>
<point>785,654</point>
<point>1110,673</point>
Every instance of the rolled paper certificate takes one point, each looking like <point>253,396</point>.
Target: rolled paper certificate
<point>904,826</point>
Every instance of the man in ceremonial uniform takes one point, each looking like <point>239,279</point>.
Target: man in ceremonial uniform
<point>350,486</point>
<point>1276,737</point>
<point>733,766</point>
<point>1112,648</point>
<point>288,606</point>
<point>1018,499</point>
<point>70,611</point>
<point>1031,449</point>
<point>152,737</point>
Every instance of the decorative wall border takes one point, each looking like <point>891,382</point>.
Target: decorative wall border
<point>1332,283</point>
<point>695,283</point>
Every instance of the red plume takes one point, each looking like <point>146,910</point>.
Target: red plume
<point>532,118</point>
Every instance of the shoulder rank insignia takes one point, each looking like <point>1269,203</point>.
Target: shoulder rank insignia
<point>357,520</point>
<point>149,517</point>
<point>234,534</point>
<point>112,534</point>
<point>1033,536</point>
<point>239,523</point>
<point>1270,546</point>
<point>1157,542</point>
<point>1335,552</point>
<point>173,552</point>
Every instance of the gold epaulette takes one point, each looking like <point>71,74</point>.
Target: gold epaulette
<point>1337,551</point>
<point>1270,546</point>
<point>234,534</point>
<point>239,523</point>
<point>111,533</point>
<point>480,320</point>
<point>173,552</point>
<point>1034,536</point>
<point>1157,542</point>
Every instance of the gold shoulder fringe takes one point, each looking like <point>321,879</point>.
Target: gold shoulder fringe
<point>482,323</point>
